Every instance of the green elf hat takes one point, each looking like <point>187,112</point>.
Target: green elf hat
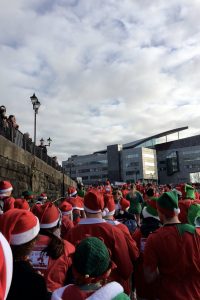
<point>151,209</point>
<point>167,204</point>
<point>91,258</point>
<point>27,194</point>
<point>194,215</point>
<point>190,192</point>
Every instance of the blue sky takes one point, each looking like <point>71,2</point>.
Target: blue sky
<point>105,71</point>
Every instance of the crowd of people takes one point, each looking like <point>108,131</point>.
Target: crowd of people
<point>7,121</point>
<point>137,241</point>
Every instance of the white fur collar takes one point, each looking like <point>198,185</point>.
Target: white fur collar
<point>91,221</point>
<point>57,294</point>
<point>107,292</point>
<point>146,214</point>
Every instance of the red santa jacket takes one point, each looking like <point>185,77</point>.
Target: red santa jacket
<point>174,250</point>
<point>114,239</point>
<point>66,225</point>
<point>54,271</point>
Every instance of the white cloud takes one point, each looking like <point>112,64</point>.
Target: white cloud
<point>105,71</point>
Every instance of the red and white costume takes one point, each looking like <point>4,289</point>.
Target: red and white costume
<point>114,239</point>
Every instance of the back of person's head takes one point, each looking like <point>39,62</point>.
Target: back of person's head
<point>5,188</point>
<point>91,259</point>
<point>133,186</point>
<point>2,109</point>
<point>20,227</point>
<point>93,202</point>
<point>167,204</point>
<point>48,215</point>
<point>50,219</point>
<point>150,192</point>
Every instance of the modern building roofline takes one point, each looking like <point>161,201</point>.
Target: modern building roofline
<point>165,133</point>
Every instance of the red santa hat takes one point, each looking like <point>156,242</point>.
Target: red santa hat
<point>93,202</point>
<point>109,203</point>
<point>43,196</point>
<point>19,226</point>
<point>5,187</point>
<point>65,208</point>
<point>71,191</point>
<point>125,204</point>
<point>21,204</point>
<point>6,267</point>
<point>48,215</point>
<point>77,203</point>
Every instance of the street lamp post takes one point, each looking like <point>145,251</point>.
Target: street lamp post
<point>49,140</point>
<point>36,105</point>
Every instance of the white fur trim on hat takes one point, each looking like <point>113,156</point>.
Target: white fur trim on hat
<point>25,237</point>
<point>50,225</point>
<point>111,213</point>
<point>107,292</point>
<point>6,190</point>
<point>177,210</point>
<point>76,207</point>
<point>105,212</point>
<point>146,214</point>
<point>73,194</point>
<point>8,261</point>
<point>197,221</point>
<point>65,213</point>
<point>92,211</point>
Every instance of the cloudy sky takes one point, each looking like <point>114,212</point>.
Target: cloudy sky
<point>105,71</point>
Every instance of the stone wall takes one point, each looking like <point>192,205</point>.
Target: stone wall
<point>27,172</point>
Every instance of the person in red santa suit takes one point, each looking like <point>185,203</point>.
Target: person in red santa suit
<point>51,255</point>
<point>6,201</point>
<point>67,218</point>
<point>77,204</point>
<point>20,227</point>
<point>121,204</point>
<point>95,225</point>
<point>172,255</point>
<point>6,267</point>
<point>91,268</point>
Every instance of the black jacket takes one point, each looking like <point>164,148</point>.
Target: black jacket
<point>26,283</point>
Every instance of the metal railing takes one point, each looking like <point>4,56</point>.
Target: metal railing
<point>24,142</point>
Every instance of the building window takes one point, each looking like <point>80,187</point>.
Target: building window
<point>132,155</point>
<point>84,171</point>
<point>149,164</point>
<point>148,155</point>
<point>84,177</point>
<point>172,162</point>
<point>133,172</point>
<point>95,177</point>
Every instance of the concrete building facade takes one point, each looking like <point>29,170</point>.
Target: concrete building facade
<point>151,159</point>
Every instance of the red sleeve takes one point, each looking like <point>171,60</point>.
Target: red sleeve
<point>132,247</point>
<point>121,255</point>
<point>136,235</point>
